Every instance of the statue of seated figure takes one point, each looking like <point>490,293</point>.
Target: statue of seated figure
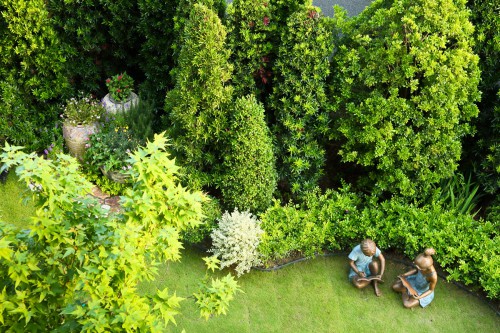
<point>417,285</point>
<point>364,269</point>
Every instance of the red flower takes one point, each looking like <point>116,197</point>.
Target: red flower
<point>118,90</point>
<point>266,20</point>
<point>313,14</point>
<point>108,80</point>
<point>120,77</point>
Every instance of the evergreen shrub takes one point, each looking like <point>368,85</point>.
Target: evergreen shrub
<point>181,16</point>
<point>251,25</point>
<point>298,99</point>
<point>248,174</point>
<point>322,221</point>
<point>404,86</point>
<point>236,239</point>
<point>197,106</point>
<point>155,25</point>
<point>468,249</point>
<point>33,75</point>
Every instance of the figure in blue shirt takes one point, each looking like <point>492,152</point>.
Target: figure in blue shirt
<point>364,267</point>
<point>422,278</point>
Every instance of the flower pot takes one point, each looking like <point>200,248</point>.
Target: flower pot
<point>115,176</point>
<point>76,137</point>
<point>114,107</point>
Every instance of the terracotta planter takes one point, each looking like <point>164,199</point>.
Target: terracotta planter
<point>116,107</point>
<point>76,137</point>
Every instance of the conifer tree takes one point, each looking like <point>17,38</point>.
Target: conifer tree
<point>299,101</point>
<point>248,172</point>
<point>196,106</point>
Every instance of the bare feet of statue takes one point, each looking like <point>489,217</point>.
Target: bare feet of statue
<point>377,290</point>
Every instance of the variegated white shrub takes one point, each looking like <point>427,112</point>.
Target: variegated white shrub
<point>236,239</point>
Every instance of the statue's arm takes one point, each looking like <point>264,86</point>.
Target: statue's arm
<point>382,264</point>
<point>355,269</point>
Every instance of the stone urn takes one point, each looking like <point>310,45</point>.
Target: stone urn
<point>76,137</point>
<point>114,107</point>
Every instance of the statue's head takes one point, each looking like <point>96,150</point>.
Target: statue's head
<point>368,247</point>
<point>424,260</point>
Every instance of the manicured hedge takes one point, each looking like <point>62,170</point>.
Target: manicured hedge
<point>468,249</point>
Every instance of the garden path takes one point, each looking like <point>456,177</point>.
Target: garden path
<point>108,202</point>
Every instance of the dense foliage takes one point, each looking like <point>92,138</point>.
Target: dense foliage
<point>467,249</point>
<point>484,149</point>
<point>486,17</point>
<point>251,29</point>
<point>197,105</point>
<point>235,241</point>
<point>32,72</point>
<point>182,12</point>
<point>299,100</point>
<point>324,221</point>
<point>248,174</point>
<point>402,86</point>
<point>78,267</point>
<point>211,214</point>
<point>404,89</point>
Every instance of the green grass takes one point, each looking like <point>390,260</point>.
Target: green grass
<point>12,210</point>
<point>315,296</point>
<point>310,296</point>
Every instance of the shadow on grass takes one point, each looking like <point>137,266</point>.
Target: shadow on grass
<point>315,296</point>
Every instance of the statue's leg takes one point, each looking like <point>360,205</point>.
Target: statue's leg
<point>398,287</point>
<point>359,284</point>
<point>374,270</point>
<point>409,302</point>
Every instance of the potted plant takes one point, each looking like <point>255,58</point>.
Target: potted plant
<point>120,97</point>
<point>80,119</point>
<point>108,151</point>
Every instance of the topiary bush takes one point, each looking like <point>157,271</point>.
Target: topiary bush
<point>298,99</point>
<point>404,86</point>
<point>197,106</point>
<point>247,175</point>
<point>181,16</point>
<point>235,241</point>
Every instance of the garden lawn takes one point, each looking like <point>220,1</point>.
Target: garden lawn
<point>315,296</point>
<point>12,210</point>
